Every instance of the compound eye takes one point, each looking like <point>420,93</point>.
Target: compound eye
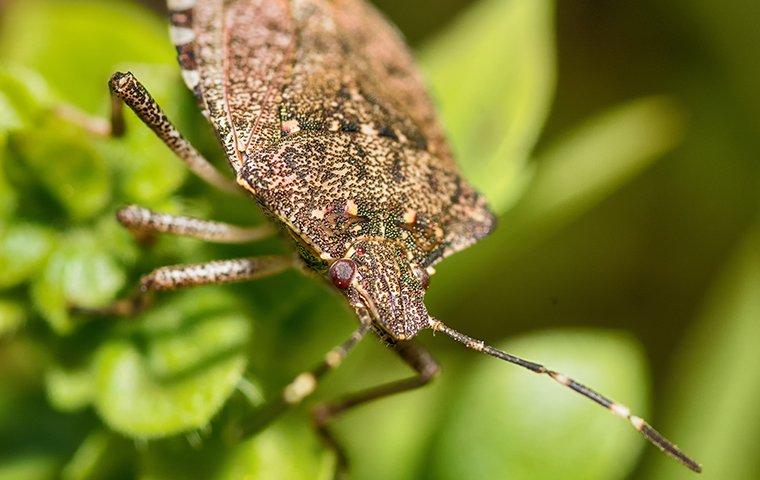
<point>423,277</point>
<point>342,272</point>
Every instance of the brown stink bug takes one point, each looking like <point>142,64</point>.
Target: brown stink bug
<point>328,127</point>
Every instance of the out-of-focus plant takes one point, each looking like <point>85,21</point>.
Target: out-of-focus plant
<point>152,397</point>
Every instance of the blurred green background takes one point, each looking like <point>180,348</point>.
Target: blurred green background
<point>620,144</point>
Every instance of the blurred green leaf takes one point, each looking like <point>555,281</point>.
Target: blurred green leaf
<point>12,316</point>
<point>31,467</point>
<point>69,389</point>
<point>8,197</point>
<point>118,240</point>
<point>98,457</point>
<point>282,452</point>
<point>494,73</point>
<point>286,450</point>
<point>571,177</point>
<point>23,250</point>
<point>177,370</point>
<point>34,439</point>
<point>80,272</point>
<point>65,162</point>
<point>590,163</point>
<point>26,94</point>
<point>727,30</point>
<point>10,119</point>
<point>717,373</point>
<point>507,423</point>
<point>76,44</point>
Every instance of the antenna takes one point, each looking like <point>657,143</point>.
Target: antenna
<point>618,409</point>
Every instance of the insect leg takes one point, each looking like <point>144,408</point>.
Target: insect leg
<point>618,409</point>
<point>303,384</point>
<point>144,223</point>
<point>192,275</point>
<point>413,355</point>
<point>126,89</point>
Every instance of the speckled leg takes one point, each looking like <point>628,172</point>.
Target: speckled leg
<point>415,356</point>
<point>125,88</point>
<point>193,275</point>
<point>303,384</point>
<point>145,224</point>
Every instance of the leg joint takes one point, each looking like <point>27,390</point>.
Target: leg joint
<point>321,415</point>
<point>429,371</point>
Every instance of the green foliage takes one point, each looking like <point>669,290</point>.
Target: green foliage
<point>723,343</point>
<point>504,423</point>
<point>493,72</point>
<point>176,371</point>
<point>82,272</point>
<point>23,250</point>
<point>153,397</point>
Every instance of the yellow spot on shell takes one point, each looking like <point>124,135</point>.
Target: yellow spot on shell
<point>290,127</point>
<point>410,216</point>
<point>351,208</point>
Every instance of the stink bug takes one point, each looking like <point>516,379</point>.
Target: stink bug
<point>328,127</point>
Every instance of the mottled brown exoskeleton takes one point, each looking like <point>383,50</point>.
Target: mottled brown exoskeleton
<point>328,127</point>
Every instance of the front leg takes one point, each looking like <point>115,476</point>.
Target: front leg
<point>303,385</point>
<point>419,359</point>
<point>125,88</point>
<point>192,275</point>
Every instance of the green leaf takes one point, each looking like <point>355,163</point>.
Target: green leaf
<point>31,467</point>
<point>76,45</point>
<point>101,455</point>
<point>176,371</point>
<point>66,163</point>
<point>10,119</point>
<point>715,380</point>
<point>80,272</point>
<point>508,423</point>
<point>69,390</point>
<point>12,317</point>
<point>286,450</point>
<point>571,177</point>
<point>592,162</point>
<point>493,73</point>
<point>25,93</point>
<point>23,250</point>
<point>8,197</point>
<point>283,452</point>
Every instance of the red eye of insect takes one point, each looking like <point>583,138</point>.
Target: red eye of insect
<point>342,272</point>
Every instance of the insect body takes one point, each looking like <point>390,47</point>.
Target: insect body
<point>327,125</point>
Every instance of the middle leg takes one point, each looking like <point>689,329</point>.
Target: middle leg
<point>126,89</point>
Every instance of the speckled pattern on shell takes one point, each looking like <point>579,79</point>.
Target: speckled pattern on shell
<point>327,123</point>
